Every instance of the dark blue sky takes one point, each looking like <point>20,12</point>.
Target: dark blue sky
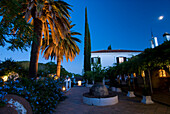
<point>123,24</point>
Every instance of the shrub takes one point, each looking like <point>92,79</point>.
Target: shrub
<point>43,94</point>
<point>2,94</point>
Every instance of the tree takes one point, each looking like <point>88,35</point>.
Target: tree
<point>109,47</point>
<point>66,47</point>
<point>11,21</point>
<point>48,17</point>
<point>87,46</point>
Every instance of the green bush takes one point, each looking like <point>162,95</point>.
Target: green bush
<point>43,94</point>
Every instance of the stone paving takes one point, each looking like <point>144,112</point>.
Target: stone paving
<point>74,105</point>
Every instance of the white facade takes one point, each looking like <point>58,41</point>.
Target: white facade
<point>109,57</point>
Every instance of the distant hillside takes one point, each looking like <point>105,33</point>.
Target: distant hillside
<point>47,68</point>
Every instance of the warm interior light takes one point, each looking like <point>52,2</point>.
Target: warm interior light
<point>64,88</point>
<point>162,73</point>
<point>5,78</point>
<point>79,83</point>
<point>121,59</point>
<point>134,75</point>
<point>143,74</point>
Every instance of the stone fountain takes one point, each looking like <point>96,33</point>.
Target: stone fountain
<point>99,96</point>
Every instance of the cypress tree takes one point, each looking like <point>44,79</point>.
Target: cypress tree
<point>87,46</point>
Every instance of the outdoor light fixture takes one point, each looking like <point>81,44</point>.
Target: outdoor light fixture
<point>134,75</point>
<point>162,73</point>
<point>143,73</point>
<point>5,78</point>
<point>79,83</point>
<point>64,88</point>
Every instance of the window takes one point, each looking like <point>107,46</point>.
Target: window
<point>95,60</point>
<point>121,59</point>
<point>162,73</point>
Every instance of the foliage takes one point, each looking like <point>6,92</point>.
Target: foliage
<point>87,46</point>
<point>109,47</point>
<point>10,65</point>
<point>2,94</point>
<point>43,94</point>
<point>66,47</point>
<point>156,58</point>
<point>149,59</point>
<point>21,68</point>
<point>39,19</point>
<point>97,74</point>
<point>89,76</point>
<point>12,19</point>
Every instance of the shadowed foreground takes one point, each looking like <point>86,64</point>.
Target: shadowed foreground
<point>74,105</point>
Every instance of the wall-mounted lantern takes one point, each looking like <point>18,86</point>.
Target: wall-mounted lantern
<point>134,75</point>
<point>143,73</point>
<point>162,73</point>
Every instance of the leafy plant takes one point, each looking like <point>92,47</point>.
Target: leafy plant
<point>98,72</point>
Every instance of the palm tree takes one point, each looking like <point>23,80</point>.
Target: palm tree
<point>50,18</point>
<point>66,47</point>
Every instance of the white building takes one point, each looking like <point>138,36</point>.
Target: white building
<point>111,57</point>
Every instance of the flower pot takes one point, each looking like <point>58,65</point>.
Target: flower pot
<point>130,94</point>
<point>118,90</point>
<point>113,88</point>
<point>147,100</point>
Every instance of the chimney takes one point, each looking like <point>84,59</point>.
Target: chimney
<point>156,41</point>
<point>152,44</point>
<point>166,36</point>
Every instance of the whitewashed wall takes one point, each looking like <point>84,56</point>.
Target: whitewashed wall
<point>109,58</point>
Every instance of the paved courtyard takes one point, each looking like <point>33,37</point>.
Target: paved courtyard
<point>74,105</point>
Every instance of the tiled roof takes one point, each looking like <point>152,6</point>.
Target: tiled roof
<point>109,51</point>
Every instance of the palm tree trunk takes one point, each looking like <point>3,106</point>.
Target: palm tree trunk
<point>58,66</point>
<point>35,49</point>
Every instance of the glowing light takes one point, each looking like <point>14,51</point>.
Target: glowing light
<point>160,17</point>
<point>143,74</point>
<point>64,88</point>
<point>134,74</point>
<point>5,78</point>
<point>162,73</point>
<point>79,83</point>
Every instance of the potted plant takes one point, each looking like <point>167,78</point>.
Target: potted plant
<point>130,87</point>
<point>89,78</point>
<point>98,89</point>
<point>146,93</point>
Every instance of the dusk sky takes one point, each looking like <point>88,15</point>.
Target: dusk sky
<point>123,24</point>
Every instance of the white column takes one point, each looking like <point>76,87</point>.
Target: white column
<point>156,41</point>
<point>152,44</point>
<point>70,84</point>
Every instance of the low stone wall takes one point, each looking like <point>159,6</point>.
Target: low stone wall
<point>16,105</point>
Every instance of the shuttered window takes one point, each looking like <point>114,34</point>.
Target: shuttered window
<point>120,59</point>
<point>95,60</point>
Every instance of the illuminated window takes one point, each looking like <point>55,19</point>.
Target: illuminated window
<point>121,59</point>
<point>162,73</point>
